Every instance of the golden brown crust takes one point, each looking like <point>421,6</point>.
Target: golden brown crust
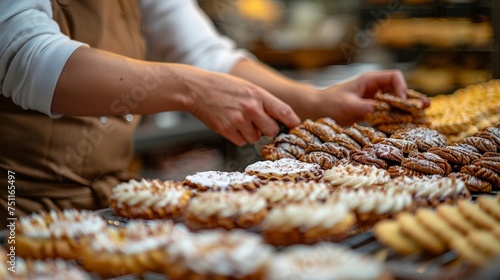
<point>332,148</point>
<point>304,134</point>
<point>271,152</point>
<point>323,159</point>
<point>391,128</point>
<point>322,131</point>
<point>41,248</point>
<point>245,220</point>
<point>388,117</point>
<point>141,211</point>
<point>425,138</point>
<point>331,123</point>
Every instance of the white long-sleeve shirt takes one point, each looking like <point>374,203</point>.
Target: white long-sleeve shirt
<point>33,51</point>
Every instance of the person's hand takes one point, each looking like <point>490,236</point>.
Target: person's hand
<point>349,102</point>
<point>234,108</point>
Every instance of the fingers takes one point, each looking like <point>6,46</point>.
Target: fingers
<point>280,111</point>
<point>385,80</point>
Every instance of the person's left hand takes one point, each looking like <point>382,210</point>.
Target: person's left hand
<point>350,101</point>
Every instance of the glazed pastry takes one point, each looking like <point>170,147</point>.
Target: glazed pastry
<point>218,255</point>
<point>425,138</point>
<point>350,176</point>
<point>432,190</point>
<point>134,249</point>
<point>285,170</point>
<point>482,144</point>
<point>369,132</point>
<point>324,261</point>
<point>442,163</point>
<point>150,199</point>
<point>322,131</point>
<point>412,106</point>
<point>422,165</point>
<point>307,223</point>
<point>295,150</point>
<point>291,139</point>
<point>323,159</point>
<point>56,234</point>
<point>483,173</point>
<point>405,146</point>
<point>355,134</point>
<point>455,154</point>
<point>331,123</point>
<point>332,148</point>
<point>374,204</point>
<point>376,118</point>
<point>271,152</point>
<point>386,152</point>
<point>226,210</point>
<point>391,128</point>
<point>305,134</point>
<point>366,158</point>
<point>280,193</point>
<point>398,171</point>
<point>473,183</point>
<point>222,181</point>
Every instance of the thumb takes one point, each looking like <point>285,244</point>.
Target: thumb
<point>363,107</point>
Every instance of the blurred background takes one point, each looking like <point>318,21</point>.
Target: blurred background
<point>440,45</point>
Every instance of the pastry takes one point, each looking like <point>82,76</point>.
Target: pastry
<point>425,138</point>
<point>490,205</point>
<point>331,123</point>
<point>369,132</point>
<point>483,173</point>
<point>424,238</point>
<point>398,171</point>
<point>351,176</point>
<point>217,254</point>
<point>222,181</point>
<point>305,134</point>
<point>346,141</point>
<point>478,249</point>
<point>149,199</point>
<point>385,152</point>
<point>226,210</point>
<point>322,131</point>
<point>271,152</point>
<point>295,150</point>
<point>56,234</point>
<point>324,261</point>
<point>373,204</point>
<point>405,146</point>
<point>482,144</point>
<point>323,159</point>
<point>432,190</point>
<point>413,106</point>
<point>285,170</point>
<point>291,139</point>
<point>455,154</point>
<point>391,128</point>
<point>355,134</point>
<point>376,118</point>
<point>307,223</point>
<point>134,249</point>
<point>57,269</point>
<point>280,193</point>
<point>442,163</point>
<point>473,183</point>
<point>366,158</point>
<point>476,215</point>
<point>454,218</point>
<point>332,148</point>
<point>436,225</point>
<point>422,166</point>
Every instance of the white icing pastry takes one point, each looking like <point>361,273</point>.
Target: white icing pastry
<point>68,223</point>
<point>151,193</point>
<point>322,261</point>
<point>226,204</point>
<point>306,216</point>
<point>235,253</point>
<point>48,270</point>
<point>137,237</point>
<point>287,192</point>
<point>378,201</point>
<point>283,167</point>
<point>431,187</point>
<point>218,180</point>
<point>356,176</point>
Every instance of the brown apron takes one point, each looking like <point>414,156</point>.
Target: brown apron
<point>71,162</point>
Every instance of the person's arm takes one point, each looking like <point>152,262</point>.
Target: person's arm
<point>347,102</point>
<point>43,70</point>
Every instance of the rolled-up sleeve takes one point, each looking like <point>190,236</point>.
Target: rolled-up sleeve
<point>33,53</point>
<point>178,31</point>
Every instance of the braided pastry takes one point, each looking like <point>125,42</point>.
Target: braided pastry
<point>332,148</point>
<point>323,159</point>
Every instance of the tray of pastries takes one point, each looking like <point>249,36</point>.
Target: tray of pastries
<point>397,198</point>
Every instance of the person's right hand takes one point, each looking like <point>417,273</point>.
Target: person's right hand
<point>234,108</point>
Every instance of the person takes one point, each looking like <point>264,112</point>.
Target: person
<point>76,75</point>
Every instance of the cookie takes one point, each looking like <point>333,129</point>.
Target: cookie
<point>285,169</point>
<point>291,139</point>
<point>482,144</point>
<point>389,233</point>
<point>366,158</point>
<point>369,132</point>
<point>473,183</point>
<point>477,216</point>
<point>391,128</point>
<point>322,131</point>
<point>490,205</point>
<point>271,152</point>
<point>405,146</point>
<point>346,141</point>
<point>331,123</point>
<point>422,165</point>
<point>442,163</point>
<point>295,150</point>
<point>454,218</point>
<point>483,173</point>
<point>412,106</point>
<point>425,138</point>
<point>398,171</point>
<point>454,154</point>
<point>485,242</point>
<point>465,251</point>
<point>412,228</point>
<point>434,223</point>
<point>385,152</point>
<point>305,134</point>
<point>357,136</point>
<point>387,117</point>
<point>332,148</point>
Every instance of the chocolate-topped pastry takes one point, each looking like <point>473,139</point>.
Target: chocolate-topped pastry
<point>322,131</point>
<point>369,132</point>
<point>291,139</point>
<point>295,150</point>
<point>425,138</point>
<point>332,148</point>
<point>483,173</point>
<point>473,183</point>
<point>405,146</point>
<point>412,106</point>
<point>482,144</point>
<point>271,152</point>
<point>331,123</point>
<point>346,141</point>
<point>384,151</point>
<point>454,154</point>
<point>422,165</point>
<point>367,158</point>
<point>442,163</point>
<point>398,171</point>
<point>305,134</point>
<point>323,159</point>
<point>388,117</point>
<point>355,134</point>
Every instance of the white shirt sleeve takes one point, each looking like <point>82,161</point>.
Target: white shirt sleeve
<point>179,31</point>
<point>33,53</point>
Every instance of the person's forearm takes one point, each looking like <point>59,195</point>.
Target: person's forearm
<point>300,97</point>
<point>95,82</point>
